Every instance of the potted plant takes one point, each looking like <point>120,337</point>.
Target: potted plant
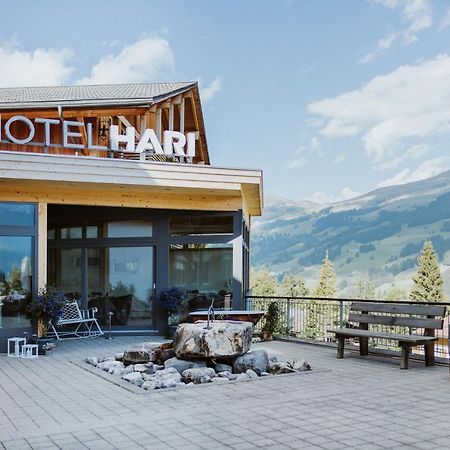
<point>271,321</point>
<point>173,300</point>
<point>47,306</point>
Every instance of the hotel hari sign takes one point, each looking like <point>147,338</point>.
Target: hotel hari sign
<point>174,143</point>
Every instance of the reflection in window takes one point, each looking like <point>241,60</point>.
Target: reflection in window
<point>71,233</point>
<point>130,228</point>
<point>21,214</point>
<point>16,277</point>
<point>200,225</point>
<point>64,270</point>
<point>205,272</point>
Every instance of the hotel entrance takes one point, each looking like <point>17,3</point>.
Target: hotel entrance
<point>106,262</point>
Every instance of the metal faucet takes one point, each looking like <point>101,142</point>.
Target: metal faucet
<point>210,315</point>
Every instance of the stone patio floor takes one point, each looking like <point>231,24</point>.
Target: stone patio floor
<point>357,402</point>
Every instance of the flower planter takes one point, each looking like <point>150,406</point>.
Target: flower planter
<point>42,343</point>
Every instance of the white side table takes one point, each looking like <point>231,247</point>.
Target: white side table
<point>17,341</point>
<point>29,351</point>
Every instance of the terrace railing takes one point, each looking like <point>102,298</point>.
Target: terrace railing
<point>308,318</point>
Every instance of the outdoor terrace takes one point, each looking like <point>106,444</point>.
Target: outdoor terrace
<point>357,402</point>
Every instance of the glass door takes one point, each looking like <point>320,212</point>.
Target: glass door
<point>120,280</point>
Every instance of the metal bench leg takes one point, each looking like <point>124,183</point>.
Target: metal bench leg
<point>405,357</point>
<point>341,343</point>
<point>363,346</point>
<point>429,354</point>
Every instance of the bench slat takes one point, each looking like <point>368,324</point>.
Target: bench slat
<point>398,308</point>
<point>410,338</point>
<point>397,321</point>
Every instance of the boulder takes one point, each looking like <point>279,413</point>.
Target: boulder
<point>301,366</point>
<point>256,360</point>
<point>181,364</point>
<point>134,377</point>
<point>198,375</point>
<point>223,368</point>
<point>118,356</point>
<point>140,354</point>
<point>223,340</point>
<point>92,360</point>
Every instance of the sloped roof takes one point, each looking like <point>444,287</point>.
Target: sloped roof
<point>135,94</point>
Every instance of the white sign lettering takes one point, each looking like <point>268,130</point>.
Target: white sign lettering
<point>174,143</point>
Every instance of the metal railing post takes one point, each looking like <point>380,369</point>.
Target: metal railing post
<point>341,313</point>
<point>288,316</point>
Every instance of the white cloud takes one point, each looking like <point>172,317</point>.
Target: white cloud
<point>366,58</point>
<point>425,170</point>
<point>208,92</point>
<point>143,61</point>
<point>303,151</point>
<point>445,22</point>
<point>296,163</point>
<point>412,102</point>
<point>417,15</point>
<point>325,198</point>
<point>34,68</point>
<point>414,152</point>
<point>386,42</point>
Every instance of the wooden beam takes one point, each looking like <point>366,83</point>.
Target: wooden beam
<point>42,245</point>
<point>127,123</point>
<point>84,151</point>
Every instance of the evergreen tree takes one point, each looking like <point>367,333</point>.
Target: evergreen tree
<point>365,290</point>
<point>262,283</point>
<point>428,284</point>
<point>318,315</point>
<point>395,293</point>
<point>292,286</point>
<point>326,287</point>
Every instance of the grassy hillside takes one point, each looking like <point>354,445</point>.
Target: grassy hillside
<point>377,236</point>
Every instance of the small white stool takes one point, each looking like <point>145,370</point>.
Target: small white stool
<point>29,351</point>
<point>17,341</point>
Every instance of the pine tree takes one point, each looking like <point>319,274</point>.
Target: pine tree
<point>318,315</point>
<point>428,284</point>
<point>262,283</point>
<point>395,293</point>
<point>292,286</point>
<point>326,287</point>
<point>365,290</point>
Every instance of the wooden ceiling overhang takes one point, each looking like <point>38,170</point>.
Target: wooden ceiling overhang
<point>78,180</point>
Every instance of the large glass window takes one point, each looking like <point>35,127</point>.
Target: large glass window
<point>129,228</point>
<point>19,214</point>
<point>121,280</point>
<point>205,271</point>
<point>64,271</point>
<point>16,279</point>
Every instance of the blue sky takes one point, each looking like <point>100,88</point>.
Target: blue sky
<point>329,98</point>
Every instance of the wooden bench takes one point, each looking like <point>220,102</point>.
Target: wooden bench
<point>426,317</point>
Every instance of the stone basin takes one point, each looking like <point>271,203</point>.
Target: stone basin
<point>223,340</point>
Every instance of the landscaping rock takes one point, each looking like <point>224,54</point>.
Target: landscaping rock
<point>107,365</point>
<point>162,379</point>
<point>276,368</point>
<point>265,374</point>
<point>223,368</point>
<point>108,358</point>
<point>301,366</point>
<point>198,375</point>
<point>224,339</point>
<point>242,377</point>
<point>118,371</point>
<point>140,354</point>
<point>256,360</point>
<point>251,374</point>
<point>225,374</point>
<point>118,356</point>
<point>92,360</point>
<point>134,377</point>
<point>181,364</point>
<point>144,368</point>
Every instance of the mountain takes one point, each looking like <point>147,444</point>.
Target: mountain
<point>377,235</point>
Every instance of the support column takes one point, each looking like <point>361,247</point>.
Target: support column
<point>238,301</point>
<point>41,260</point>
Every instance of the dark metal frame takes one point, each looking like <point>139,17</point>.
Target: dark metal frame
<point>160,241</point>
<point>23,231</point>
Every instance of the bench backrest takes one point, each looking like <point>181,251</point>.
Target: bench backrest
<point>429,317</point>
<point>71,311</point>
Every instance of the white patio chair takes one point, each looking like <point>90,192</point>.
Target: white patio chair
<point>85,321</point>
